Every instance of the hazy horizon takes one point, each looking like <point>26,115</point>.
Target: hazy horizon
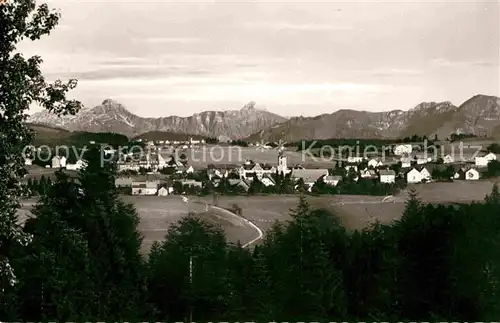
<point>179,58</point>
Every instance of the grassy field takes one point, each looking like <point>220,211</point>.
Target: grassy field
<point>356,212</point>
<point>158,213</point>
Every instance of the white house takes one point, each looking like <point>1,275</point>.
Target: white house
<point>191,182</point>
<point>491,156</point>
<point>145,188</point>
<point>80,164</point>
<point>472,174</point>
<point>309,176</point>
<point>332,180</point>
<point>354,160</point>
<point>421,161</point>
<point>413,176</point>
<point>387,176</point>
<point>483,161</point>
<point>405,162</point>
<point>59,162</point>
<point>163,191</point>
<point>267,180</point>
<point>374,163</point>
<point>448,159</point>
<point>368,173</point>
<point>28,161</point>
<point>402,149</point>
<point>425,174</point>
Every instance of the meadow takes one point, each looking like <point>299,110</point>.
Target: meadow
<point>355,212</point>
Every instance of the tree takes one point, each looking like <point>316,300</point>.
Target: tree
<point>114,240</point>
<point>494,196</point>
<point>21,84</point>
<point>202,245</point>
<point>256,186</point>
<point>55,280</point>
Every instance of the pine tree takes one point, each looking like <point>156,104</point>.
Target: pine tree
<point>172,289</point>
<point>114,240</point>
<point>494,196</point>
<point>55,268</point>
<point>21,84</point>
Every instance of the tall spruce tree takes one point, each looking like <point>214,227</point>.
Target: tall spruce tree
<point>21,84</point>
<point>111,229</point>
<point>188,272</point>
<point>54,270</point>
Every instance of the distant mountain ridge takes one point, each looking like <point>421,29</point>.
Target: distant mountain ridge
<point>480,115</point>
<point>111,116</point>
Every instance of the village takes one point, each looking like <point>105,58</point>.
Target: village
<point>163,171</point>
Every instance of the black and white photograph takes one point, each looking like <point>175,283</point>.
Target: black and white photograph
<point>249,160</point>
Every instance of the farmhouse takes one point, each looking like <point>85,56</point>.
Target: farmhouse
<point>123,182</point>
<point>58,162</point>
<point>426,175</point>
<point>163,191</point>
<point>472,174</point>
<point>332,180</point>
<point>80,164</point>
<point>422,161</point>
<point>267,180</point>
<point>145,188</point>
<point>354,160</point>
<point>191,182</point>
<point>368,173</point>
<point>375,163</point>
<point>405,162</point>
<point>448,159</point>
<point>309,176</point>
<point>459,174</point>
<point>387,176</point>
<point>402,149</point>
<point>240,183</point>
<point>413,176</point>
<point>483,161</point>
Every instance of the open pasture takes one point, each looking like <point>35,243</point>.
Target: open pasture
<point>158,213</point>
<point>355,212</point>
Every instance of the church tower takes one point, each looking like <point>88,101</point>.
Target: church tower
<point>282,167</point>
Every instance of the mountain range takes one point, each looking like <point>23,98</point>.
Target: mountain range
<point>111,116</point>
<point>480,115</point>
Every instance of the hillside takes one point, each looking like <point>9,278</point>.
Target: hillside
<point>52,136</point>
<point>111,116</point>
<point>480,115</point>
<point>168,135</point>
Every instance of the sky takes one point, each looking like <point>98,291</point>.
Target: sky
<point>161,58</point>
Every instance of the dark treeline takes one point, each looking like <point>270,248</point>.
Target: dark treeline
<point>456,137</point>
<point>83,262</point>
<point>360,144</point>
<point>81,139</point>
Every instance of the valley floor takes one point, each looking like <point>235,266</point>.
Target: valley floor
<point>356,212</point>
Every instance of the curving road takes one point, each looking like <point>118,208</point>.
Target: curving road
<point>243,220</point>
<point>260,233</point>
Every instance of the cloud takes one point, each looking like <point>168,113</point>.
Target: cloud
<point>168,40</point>
<point>294,27</point>
<point>393,72</point>
<point>443,62</point>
